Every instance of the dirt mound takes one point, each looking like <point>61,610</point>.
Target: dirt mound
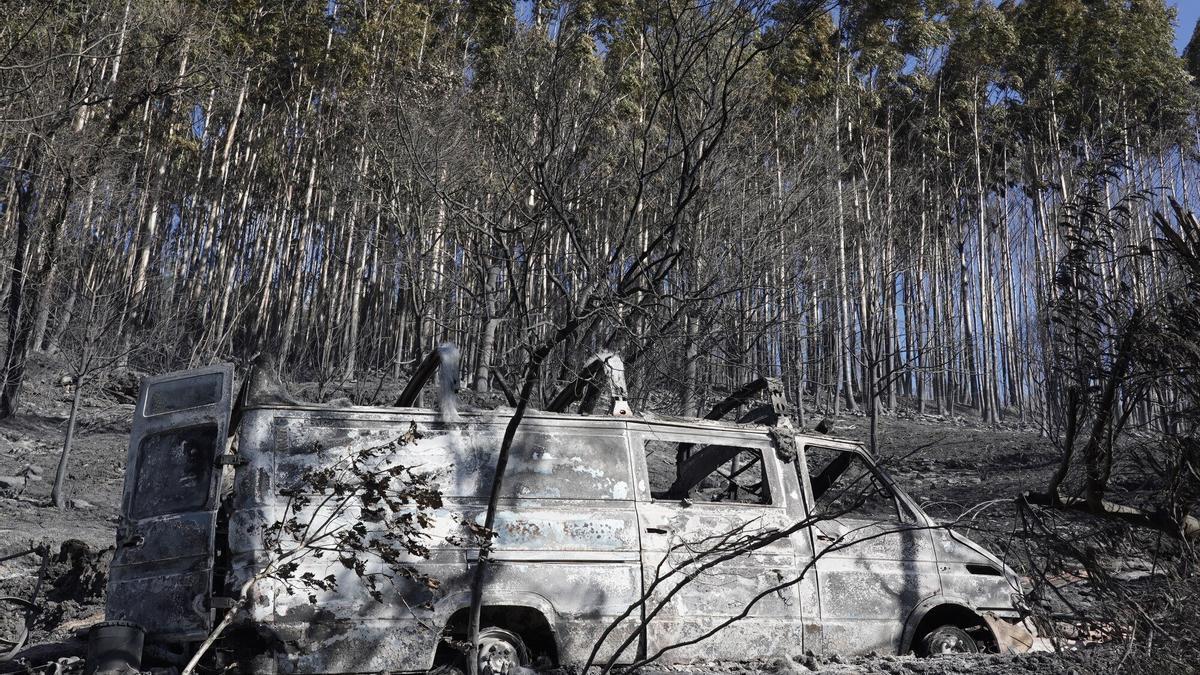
<point>67,588</point>
<point>77,579</point>
<point>48,388</point>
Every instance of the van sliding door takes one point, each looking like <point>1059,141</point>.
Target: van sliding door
<point>719,579</point>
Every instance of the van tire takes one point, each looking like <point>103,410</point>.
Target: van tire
<point>947,640</point>
<point>503,649</point>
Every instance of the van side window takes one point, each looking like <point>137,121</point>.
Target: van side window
<point>845,486</point>
<point>705,472</point>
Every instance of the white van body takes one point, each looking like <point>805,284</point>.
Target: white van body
<point>590,516</point>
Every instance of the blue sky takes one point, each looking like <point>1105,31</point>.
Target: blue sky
<point>1189,11</point>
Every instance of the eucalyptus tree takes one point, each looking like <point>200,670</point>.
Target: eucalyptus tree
<point>873,219</point>
<point>87,89</point>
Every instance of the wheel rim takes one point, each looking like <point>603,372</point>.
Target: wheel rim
<point>499,653</point>
<point>946,642</point>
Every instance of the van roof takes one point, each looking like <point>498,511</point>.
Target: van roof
<point>539,415</point>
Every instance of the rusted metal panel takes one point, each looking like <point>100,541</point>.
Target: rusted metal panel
<point>1016,637</point>
<point>871,574</point>
<point>968,571</point>
<point>867,589</point>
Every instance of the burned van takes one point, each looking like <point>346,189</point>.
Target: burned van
<point>617,538</point>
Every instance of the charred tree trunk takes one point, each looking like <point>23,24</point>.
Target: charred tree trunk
<point>18,327</point>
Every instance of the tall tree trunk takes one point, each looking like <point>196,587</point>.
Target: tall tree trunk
<point>487,344</point>
<point>18,328</point>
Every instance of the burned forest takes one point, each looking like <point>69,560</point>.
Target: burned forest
<point>501,337</point>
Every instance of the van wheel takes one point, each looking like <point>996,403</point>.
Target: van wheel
<point>501,652</point>
<point>948,640</point>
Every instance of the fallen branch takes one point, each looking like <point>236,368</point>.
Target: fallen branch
<point>1187,528</point>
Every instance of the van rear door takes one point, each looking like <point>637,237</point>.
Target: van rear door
<point>161,574</point>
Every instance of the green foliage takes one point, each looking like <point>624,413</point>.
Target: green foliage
<point>803,69</point>
<point>1103,66</point>
<point>1191,55</point>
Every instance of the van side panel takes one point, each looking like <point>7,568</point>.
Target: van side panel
<point>566,533</point>
<point>751,603</point>
<point>871,574</point>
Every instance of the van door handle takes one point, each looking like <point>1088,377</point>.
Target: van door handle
<point>656,530</point>
<point>824,537</point>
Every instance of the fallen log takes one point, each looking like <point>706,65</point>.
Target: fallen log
<point>1187,528</point>
<point>41,654</point>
